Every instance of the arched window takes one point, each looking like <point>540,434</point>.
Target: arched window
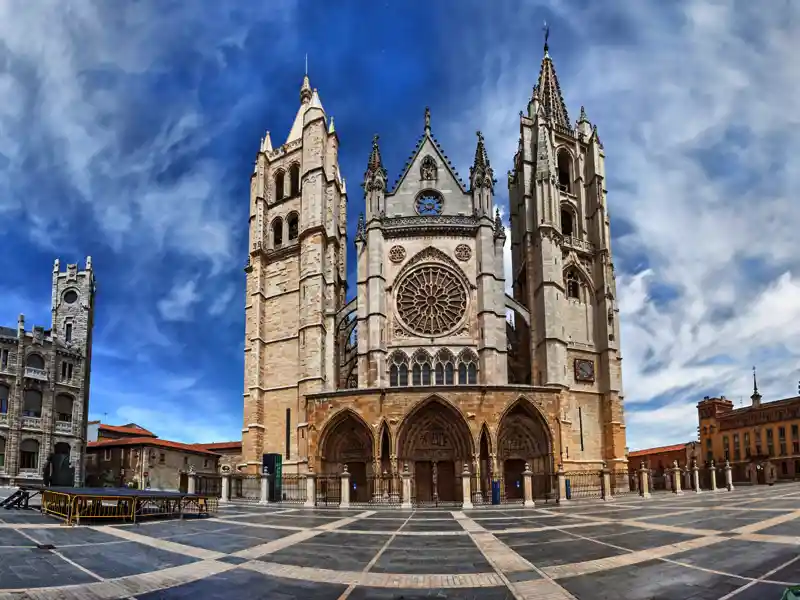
<point>64,408</point>
<point>277,232</point>
<point>467,368</point>
<point>565,171</point>
<point>567,225</point>
<point>4,394</point>
<point>294,180</point>
<point>29,454</point>
<point>573,286</point>
<point>394,375</point>
<point>426,374</point>
<point>440,374</point>
<point>292,224</point>
<point>34,361</point>
<point>280,176</point>
<point>403,375</point>
<point>32,404</point>
<point>421,371</point>
<point>448,374</point>
<point>416,375</point>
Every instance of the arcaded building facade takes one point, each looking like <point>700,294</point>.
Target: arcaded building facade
<point>44,381</point>
<point>432,364</point>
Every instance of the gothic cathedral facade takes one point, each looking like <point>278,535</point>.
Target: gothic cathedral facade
<point>423,366</point>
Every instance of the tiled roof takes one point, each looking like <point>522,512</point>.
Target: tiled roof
<point>130,428</point>
<point>149,441</point>
<point>235,445</point>
<point>8,332</point>
<point>658,450</point>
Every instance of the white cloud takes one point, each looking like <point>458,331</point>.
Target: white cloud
<point>178,303</point>
<point>697,111</point>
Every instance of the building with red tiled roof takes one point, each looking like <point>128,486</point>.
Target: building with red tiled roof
<point>125,455</point>
<point>661,457</point>
<point>231,453</point>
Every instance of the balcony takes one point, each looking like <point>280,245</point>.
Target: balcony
<point>578,244</point>
<point>34,373</point>
<point>31,422</point>
<point>64,427</point>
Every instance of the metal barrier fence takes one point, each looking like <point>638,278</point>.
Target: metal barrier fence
<point>74,508</point>
<point>544,487</point>
<point>291,488</point>
<point>328,490</point>
<point>624,483</point>
<point>658,482</point>
<point>245,488</point>
<point>438,491</point>
<point>511,491</point>
<point>584,484</point>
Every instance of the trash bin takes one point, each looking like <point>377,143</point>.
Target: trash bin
<point>495,492</point>
<point>792,593</point>
<point>568,488</point>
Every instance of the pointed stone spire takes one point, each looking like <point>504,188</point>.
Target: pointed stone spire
<point>549,91</point>
<point>266,143</point>
<point>360,233</point>
<point>375,176</point>
<point>481,160</point>
<point>331,128</point>
<point>428,120</point>
<point>499,229</point>
<point>305,90</point>
<point>583,126</point>
<point>756,397</point>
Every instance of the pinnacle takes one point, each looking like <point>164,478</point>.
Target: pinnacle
<point>549,93</point>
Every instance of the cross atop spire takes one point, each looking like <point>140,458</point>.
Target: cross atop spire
<point>548,89</point>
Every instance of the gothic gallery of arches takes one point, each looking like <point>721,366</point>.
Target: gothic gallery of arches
<point>436,441</point>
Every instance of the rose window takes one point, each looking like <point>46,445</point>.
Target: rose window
<point>429,204</point>
<point>431,300</point>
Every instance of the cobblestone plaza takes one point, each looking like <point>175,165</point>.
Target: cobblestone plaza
<point>740,544</point>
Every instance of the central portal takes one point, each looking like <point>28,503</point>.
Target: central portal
<point>436,443</point>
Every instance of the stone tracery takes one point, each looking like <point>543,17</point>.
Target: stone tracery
<point>431,300</point>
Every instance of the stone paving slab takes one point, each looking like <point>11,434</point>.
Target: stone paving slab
<point>740,545</point>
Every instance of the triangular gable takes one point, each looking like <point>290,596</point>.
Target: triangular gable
<point>428,146</point>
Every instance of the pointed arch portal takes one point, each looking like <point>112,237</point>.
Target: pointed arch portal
<point>347,440</point>
<point>435,441</point>
<point>522,437</point>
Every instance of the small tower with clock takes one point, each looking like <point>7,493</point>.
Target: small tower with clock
<point>563,269</point>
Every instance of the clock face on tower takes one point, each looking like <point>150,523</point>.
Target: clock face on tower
<point>584,370</point>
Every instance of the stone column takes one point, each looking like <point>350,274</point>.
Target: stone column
<point>406,478</point>
<point>728,476</point>
<point>687,479</point>
<point>264,488</point>
<point>676,479</point>
<point>344,502</point>
<point>477,497</point>
<point>696,478</point>
<point>527,487</point>
<point>562,485</point>
<point>644,481</point>
<point>191,483</point>
<point>311,490</point>
<point>606,475</point>
<point>226,488</point>
<point>465,488</point>
<point>713,475</point>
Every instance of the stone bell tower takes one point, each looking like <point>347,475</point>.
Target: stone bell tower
<point>296,281</point>
<point>562,262</point>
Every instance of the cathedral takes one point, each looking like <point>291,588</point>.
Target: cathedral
<point>432,365</point>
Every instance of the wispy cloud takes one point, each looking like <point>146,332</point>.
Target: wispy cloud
<point>178,304</point>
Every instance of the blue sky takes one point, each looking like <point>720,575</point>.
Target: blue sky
<point>128,132</point>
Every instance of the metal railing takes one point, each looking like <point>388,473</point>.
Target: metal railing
<point>289,489</point>
<point>624,483</point>
<point>385,489</point>
<point>328,490</point>
<point>544,487</point>
<point>583,484</point>
<point>208,485</point>
<point>245,488</point>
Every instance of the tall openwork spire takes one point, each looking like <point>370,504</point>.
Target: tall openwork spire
<point>756,397</point>
<point>305,90</point>
<point>548,89</point>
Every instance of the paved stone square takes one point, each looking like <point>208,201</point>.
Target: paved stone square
<point>741,545</point>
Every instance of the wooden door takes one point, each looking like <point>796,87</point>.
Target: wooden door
<point>359,490</point>
<point>423,481</point>
<point>512,477</point>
